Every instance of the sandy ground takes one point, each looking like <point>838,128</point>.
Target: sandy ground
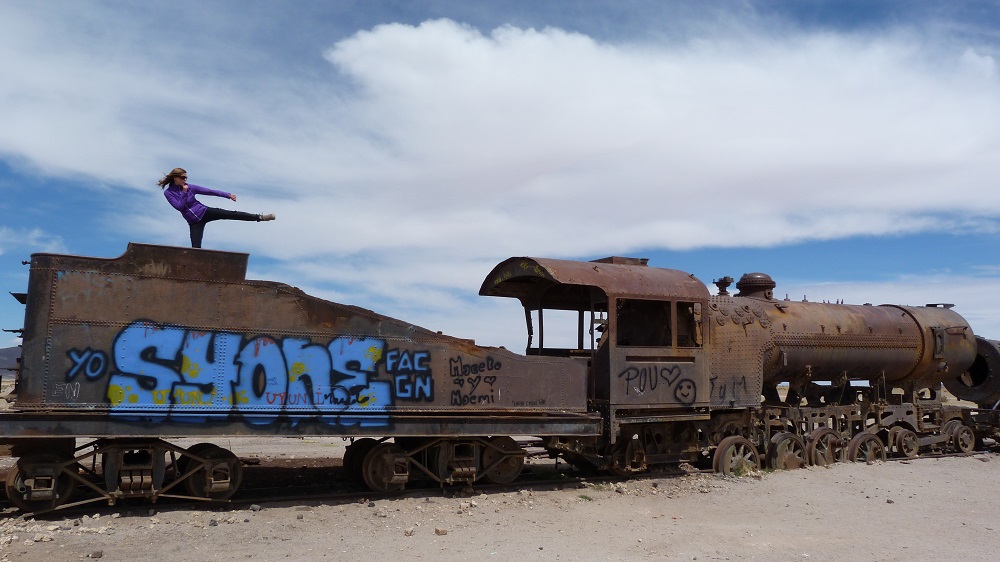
<point>927,509</point>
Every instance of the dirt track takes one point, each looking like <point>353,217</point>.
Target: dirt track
<point>942,509</point>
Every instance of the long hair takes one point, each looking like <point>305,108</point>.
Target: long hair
<point>169,178</point>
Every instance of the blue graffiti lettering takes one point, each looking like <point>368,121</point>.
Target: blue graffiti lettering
<point>355,360</point>
<point>414,387</point>
<point>261,370</point>
<point>165,371</point>
<point>146,355</point>
<point>93,363</point>
<point>411,372</point>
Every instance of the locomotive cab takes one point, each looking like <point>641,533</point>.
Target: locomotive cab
<point>640,328</point>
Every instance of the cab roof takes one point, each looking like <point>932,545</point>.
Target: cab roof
<point>569,285</point>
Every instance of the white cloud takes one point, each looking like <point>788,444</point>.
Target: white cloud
<point>984,66</point>
<point>29,240</point>
<point>448,134</point>
<point>421,155</point>
<point>582,148</point>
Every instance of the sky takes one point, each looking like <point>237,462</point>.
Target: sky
<point>847,148</point>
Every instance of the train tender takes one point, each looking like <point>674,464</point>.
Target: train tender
<point>626,366</point>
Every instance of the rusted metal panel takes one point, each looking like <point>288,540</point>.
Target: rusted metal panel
<point>892,344</point>
<point>765,341</point>
<point>662,378</point>
<point>740,333</point>
<point>527,278</point>
<point>18,426</point>
<point>174,335</point>
<point>648,372</point>
<point>981,383</point>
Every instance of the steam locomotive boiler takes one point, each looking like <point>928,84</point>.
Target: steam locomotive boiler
<point>626,366</point>
<point>679,375</point>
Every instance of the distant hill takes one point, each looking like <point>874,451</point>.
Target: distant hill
<point>8,359</point>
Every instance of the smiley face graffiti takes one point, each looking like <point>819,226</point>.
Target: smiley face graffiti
<point>685,392</point>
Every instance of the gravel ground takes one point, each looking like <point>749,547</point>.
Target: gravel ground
<point>925,509</point>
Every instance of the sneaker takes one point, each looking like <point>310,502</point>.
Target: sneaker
<point>267,217</point>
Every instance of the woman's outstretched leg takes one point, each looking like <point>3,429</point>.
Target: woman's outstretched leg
<point>213,214</point>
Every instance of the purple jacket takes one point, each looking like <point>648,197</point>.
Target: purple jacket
<point>185,202</point>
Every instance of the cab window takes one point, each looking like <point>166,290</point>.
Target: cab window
<point>643,323</point>
<point>689,324</point>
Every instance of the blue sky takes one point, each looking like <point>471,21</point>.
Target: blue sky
<point>849,149</point>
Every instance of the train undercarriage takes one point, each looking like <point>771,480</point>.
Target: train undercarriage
<point>53,473</point>
<point>60,474</point>
<point>782,436</point>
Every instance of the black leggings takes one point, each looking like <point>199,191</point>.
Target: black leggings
<point>213,214</point>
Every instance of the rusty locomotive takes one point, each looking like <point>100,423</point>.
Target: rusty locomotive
<point>627,366</point>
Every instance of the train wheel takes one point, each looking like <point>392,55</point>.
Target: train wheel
<point>628,458</point>
<point>964,439</point>
<point>825,447</point>
<point>787,451</point>
<point>949,427</point>
<point>502,461</point>
<point>184,464</point>
<point>218,478</point>
<point>907,443</point>
<point>866,447</point>
<point>891,440</point>
<point>198,450</point>
<point>37,483</point>
<point>385,468</point>
<point>354,456</point>
<point>736,456</point>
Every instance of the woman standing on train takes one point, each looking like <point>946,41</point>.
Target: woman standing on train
<point>181,194</point>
